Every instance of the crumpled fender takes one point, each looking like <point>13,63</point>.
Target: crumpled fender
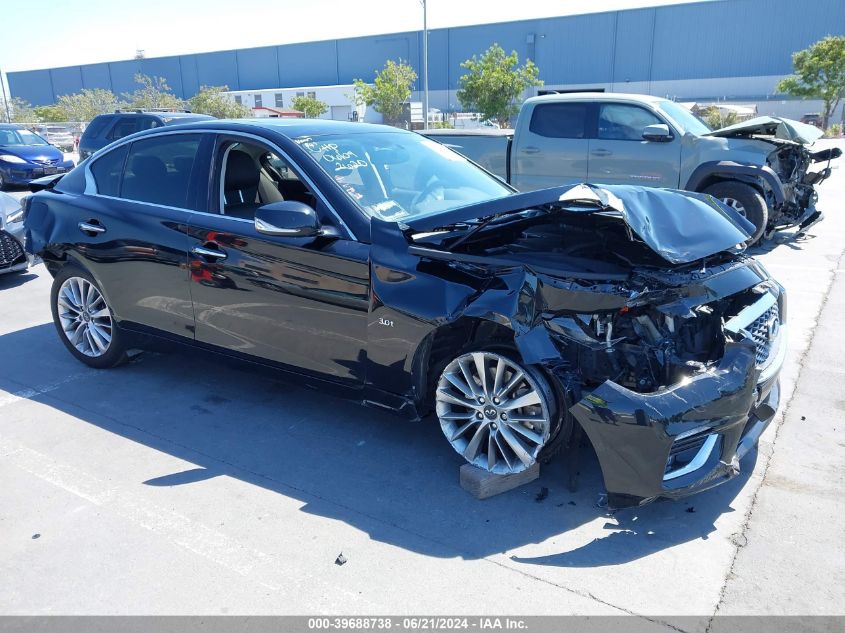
<point>730,168</point>
<point>633,432</point>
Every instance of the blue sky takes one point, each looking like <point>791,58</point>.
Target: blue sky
<point>53,33</point>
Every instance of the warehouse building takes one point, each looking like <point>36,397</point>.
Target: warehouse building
<point>722,50</point>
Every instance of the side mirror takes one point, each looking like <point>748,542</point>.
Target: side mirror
<point>658,132</point>
<point>287,219</point>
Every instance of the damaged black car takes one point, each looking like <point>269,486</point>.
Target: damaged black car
<point>387,268</point>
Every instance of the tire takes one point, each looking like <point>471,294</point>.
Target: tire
<point>479,420</point>
<point>747,201</point>
<point>84,321</point>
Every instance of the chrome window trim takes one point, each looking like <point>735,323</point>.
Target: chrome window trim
<point>91,185</point>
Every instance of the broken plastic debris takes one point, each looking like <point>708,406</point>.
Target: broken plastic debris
<point>691,509</point>
<point>544,492</point>
<point>340,560</point>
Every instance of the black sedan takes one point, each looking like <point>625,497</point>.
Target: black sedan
<point>392,270</point>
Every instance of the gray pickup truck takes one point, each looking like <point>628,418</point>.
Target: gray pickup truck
<point>760,167</point>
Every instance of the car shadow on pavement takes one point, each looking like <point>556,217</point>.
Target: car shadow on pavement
<point>395,480</point>
<point>13,280</point>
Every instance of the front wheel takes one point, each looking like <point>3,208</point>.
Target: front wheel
<point>745,200</point>
<point>84,320</point>
<point>498,414</point>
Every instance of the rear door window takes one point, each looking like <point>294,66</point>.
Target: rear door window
<point>158,169</point>
<point>98,125</point>
<point>107,170</point>
<point>125,126</point>
<point>560,120</point>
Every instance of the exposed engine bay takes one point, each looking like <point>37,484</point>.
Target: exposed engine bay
<point>650,337</point>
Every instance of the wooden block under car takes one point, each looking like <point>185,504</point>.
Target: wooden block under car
<point>482,484</point>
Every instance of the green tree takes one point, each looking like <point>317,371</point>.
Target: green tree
<point>153,94</point>
<point>22,111</point>
<point>310,106</point>
<point>212,100</point>
<point>715,119</point>
<point>494,82</point>
<point>51,113</point>
<point>389,92</point>
<point>88,103</point>
<point>819,74</point>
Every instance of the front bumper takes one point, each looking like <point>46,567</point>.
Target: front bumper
<point>686,438</point>
<point>23,173</point>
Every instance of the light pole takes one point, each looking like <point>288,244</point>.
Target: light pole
<point>5,99</point>
<point>425,64</point>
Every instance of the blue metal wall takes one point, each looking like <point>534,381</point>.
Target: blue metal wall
<point>723,38</point>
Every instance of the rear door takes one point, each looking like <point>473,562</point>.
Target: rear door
<point>619,155</point>
<point>551,145</point>
<point>132,231</point>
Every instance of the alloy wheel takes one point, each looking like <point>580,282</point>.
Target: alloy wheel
<point>735,204</point>
<point>493,412</point>
<point>85,317</point>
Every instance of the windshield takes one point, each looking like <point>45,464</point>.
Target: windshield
<point>683,117</point>
<point>400,176</point>
<point>20,137</point>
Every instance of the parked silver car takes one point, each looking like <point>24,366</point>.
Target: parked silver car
<point>12,255</point>
<point>58,136</point>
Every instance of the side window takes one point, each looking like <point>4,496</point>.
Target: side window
<point>124,127</point>
<point>107,170</point>
<point>148,123</point>
<point>623,122</point>
<point>252,176</point>
<point>158,169</point>
<point>560,120</point>
<point>97,125</point>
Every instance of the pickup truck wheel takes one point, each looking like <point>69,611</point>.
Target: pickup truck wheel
<point>747,201</point>
<point>499,414</point>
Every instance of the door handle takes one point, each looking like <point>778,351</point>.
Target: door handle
<point>91,227</point>
<point>601,152</point>
<point>530,150</point>
<point>214,253</point>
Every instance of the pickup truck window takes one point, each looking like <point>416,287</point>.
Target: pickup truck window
<point>560,120</point>
<point>623,122</point>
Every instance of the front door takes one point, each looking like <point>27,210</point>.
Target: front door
<point>619,155</point>
<point>299,302</point>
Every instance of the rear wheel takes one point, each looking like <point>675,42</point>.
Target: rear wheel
<point>746,201</point>
<point>499,414</point>
<point>84,320</point>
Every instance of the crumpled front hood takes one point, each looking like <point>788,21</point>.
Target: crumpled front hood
<point>777,127</point>
<point>680,226</point>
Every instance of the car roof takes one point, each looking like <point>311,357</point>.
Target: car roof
<point>595,96</point>
<point>294,128</point>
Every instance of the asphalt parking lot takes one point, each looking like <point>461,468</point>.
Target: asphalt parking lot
<point>181,485</point>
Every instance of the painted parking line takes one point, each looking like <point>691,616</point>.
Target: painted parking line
<point>267,570</point>
<point>7,398</point>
